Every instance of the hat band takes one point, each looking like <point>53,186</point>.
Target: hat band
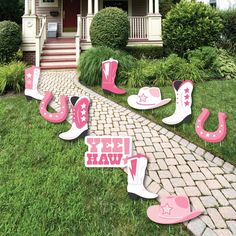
<point>145,104</point>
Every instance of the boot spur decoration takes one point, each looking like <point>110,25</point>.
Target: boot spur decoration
<point>54,117</point>
<point>31,83</point>
<point>211,137</point>
<point>136,174</point>
<point>109,69</point>
<point>80,117</point>
<point>183,93</point>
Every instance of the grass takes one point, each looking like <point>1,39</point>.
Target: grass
<point>216,96</point>
<point>45,188</point>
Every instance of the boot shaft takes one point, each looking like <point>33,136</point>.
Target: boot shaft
<point>136,169</point>
<point>109,69</point>
<point>183,93</point>
<point>32,77</point>
<point>80,111</point>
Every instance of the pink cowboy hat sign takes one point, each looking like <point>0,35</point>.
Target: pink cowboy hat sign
<point>173,210</point>
<point>147,98</point>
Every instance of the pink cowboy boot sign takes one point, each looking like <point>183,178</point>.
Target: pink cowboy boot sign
<point>107,151</point>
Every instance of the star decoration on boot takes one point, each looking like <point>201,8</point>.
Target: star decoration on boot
<point>83,106</point>
<point>187,103</point>
<point>166,209</point>
<point>143,98</point>
<point>83,118</point>
<point>186,90</point>
<point>83,112</point>
<point>186,97</point>
<point>29,76</point>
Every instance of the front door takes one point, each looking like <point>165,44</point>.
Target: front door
<point>120,4</point>
<point>70,10</point>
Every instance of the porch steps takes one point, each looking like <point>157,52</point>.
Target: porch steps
<point>58,53</point>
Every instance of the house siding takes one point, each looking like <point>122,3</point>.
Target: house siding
<point>46,11</point>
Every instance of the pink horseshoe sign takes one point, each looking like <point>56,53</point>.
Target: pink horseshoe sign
<point>211,137</point>
<point>56,117</point>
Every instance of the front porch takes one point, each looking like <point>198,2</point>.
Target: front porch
<point>144,17</point>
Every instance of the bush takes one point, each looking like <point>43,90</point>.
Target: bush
<point>12,77</point>
<point>10,40</point>
<point>149,52</point>
<point>90,65</point>
<point>163,72</point>
<point>215,63</point>
<point>110,28</point>
<point>190,25</point>
<point>228,38</point>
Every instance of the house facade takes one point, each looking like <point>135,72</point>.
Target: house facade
<point>220,4</point>
<point>73,19</point>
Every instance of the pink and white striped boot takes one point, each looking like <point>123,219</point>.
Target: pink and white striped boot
<point>80,117</point>
<point>31,83</point>
<point>109,69</point>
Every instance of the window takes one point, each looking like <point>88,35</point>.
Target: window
<point>48,3</point>
<point>213,3</point>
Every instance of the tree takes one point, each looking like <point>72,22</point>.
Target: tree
<point>11,10</point>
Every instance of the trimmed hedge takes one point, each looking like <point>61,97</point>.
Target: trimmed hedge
<point>90,65</point>
<point>10,40</point>
<point>12,77</point>
<point>229,31</point>
<point>150,52</point>
<point>190,25</point>
<point>110,28</point>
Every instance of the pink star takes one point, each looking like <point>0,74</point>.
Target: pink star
<point>186,103</point>
<point>143,98</point>
<point>83,112</point>
<point>83,106</point>
<point>186,90</point>
<point>83,118</point>
<point>166,209</point>
<point>29,76</point>
<point>186,97</point>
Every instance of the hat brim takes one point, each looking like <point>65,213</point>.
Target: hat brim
<point>132,102</point>
<point>152,213</point>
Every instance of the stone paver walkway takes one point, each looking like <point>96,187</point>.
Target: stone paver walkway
<point>176,166</point>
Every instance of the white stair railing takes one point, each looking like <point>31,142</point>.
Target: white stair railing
<point>40,39</point>
<point>138,27</point>
<point>84,33</point>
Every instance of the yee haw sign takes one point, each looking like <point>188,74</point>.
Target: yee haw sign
<point>108,151</point>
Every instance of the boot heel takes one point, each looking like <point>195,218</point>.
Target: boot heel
<point>106,92</point>
<point>187,119</point>
<point>28,98</point>
<point>133,196</point>
<point>84,134</point>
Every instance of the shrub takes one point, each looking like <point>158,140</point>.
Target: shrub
<point>176,68</point>
<point>110,28</point>
<point>12,77</point>
<point>225,65</point>
<point>228,38</point>
<point>190,25</point>
<point>216,63</point>
<point>91,62</point>
<point>205,59</point>
<point>10,40</point>
<point>163,72</point>
<point>149,52</point>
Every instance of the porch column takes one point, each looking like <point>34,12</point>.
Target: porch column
<point>90,8</point>
<point>156,6</point>
<point>95,7</point>
<point>150,7</point>
<point>26,7</point>
<point>32,7</point>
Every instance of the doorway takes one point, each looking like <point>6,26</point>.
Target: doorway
<point>70,10</point>
<point>120,4</point>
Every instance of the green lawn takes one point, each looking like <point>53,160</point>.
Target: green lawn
<point>45,188</point>
<point>216,96</point>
